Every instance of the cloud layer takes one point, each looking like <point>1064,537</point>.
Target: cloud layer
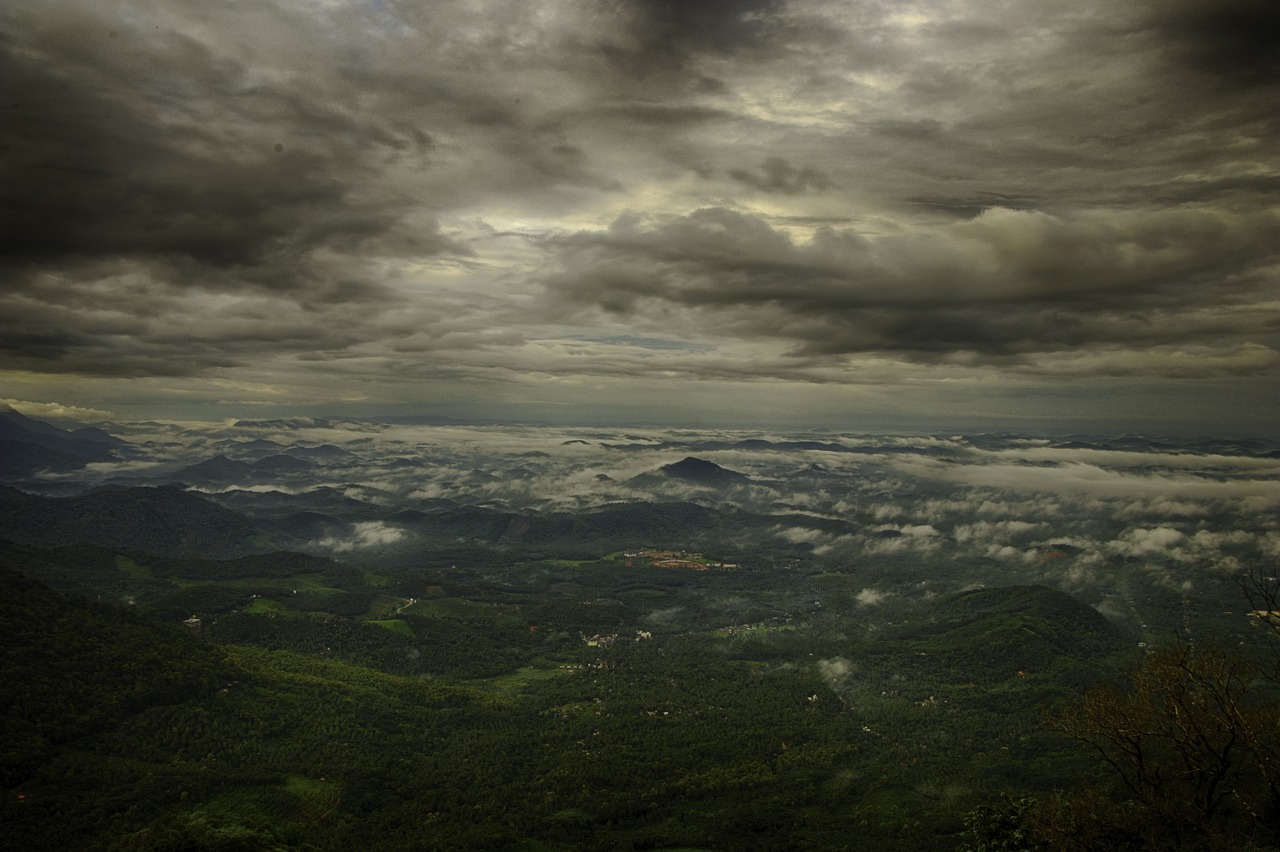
<point>567,210</point>
<point>963,510</point>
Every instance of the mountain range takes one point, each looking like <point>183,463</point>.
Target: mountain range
<point>29,446</point>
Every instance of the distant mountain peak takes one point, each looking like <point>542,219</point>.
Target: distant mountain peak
<point>281,463</point>
<point>701,471</point>
<point>323,452</point>
<point>28,445</point>
<point>218,469</point>
<point>101,436</point>
<point>30,424</point>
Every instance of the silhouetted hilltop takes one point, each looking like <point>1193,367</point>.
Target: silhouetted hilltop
<point>28,446</point>
<point>322,453</point>
<point>100,436</point>
<point>218,470</point>
<point>694,471</point>
<point>281,463</point>
<point>164,520</point>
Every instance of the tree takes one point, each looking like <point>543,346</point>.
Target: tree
<point>1262,590</point>
<point>1003,827</point>
<point>1192,745</point>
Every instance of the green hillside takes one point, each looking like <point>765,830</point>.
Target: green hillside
<point>70,669</point>
<point>1026,628</point>
<point>549,704</point>
<point>165,521</point>
<point>131,735</point>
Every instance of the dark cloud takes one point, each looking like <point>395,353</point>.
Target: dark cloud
<point>139,164</point>
<point>1237,41</point>
<point>1000,288</point>
<point>661,115</point>
<point>777,175</point>
<point>154,146</point>
<point>506,195</point>
<point>665,51</point>
<point>663,28</point>
<point>970,207</point>
<point>117,322</point>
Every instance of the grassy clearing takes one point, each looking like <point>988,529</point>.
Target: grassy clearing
<point>316,796</point>
<point>421,608</point>
<point>297,799</point>
<point>324,679</point>
<point>464,609</point>
<point>373,579</point>
<point>512,684</point>
<point>133,569</point>
<point>395,625</point>
<point>265,605</point>
<point>301,582</point>
<point>387,606</point>
<point>285,585</point>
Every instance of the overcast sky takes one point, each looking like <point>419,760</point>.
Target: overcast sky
<point>848,213</point>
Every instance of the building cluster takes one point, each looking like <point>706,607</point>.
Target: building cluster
<point>676,559</point>
<point>600,640</point>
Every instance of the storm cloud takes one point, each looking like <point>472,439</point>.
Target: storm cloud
<point>568,210</point>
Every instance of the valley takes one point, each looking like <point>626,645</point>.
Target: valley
<point>827,647</point>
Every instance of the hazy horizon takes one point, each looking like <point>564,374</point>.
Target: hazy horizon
<point>72,417</point>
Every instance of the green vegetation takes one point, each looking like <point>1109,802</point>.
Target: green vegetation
<point>395,625</point>
<point>511,685</point>
<point>164,520</point>
<point>543,704</point>
<point>266,606</point>
<point>133,569</point>
<point>71,670</point>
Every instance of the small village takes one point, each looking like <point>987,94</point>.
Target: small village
<point>675,560</point>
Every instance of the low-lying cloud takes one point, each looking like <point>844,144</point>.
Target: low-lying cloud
<point>364,535</point>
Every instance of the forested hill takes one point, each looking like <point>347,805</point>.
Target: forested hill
<point>166,521</point>
<point>69,669</point>
<point>1031,624</point>
<point>541,706</point>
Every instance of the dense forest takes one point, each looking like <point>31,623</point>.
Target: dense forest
<point>394,710</point>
